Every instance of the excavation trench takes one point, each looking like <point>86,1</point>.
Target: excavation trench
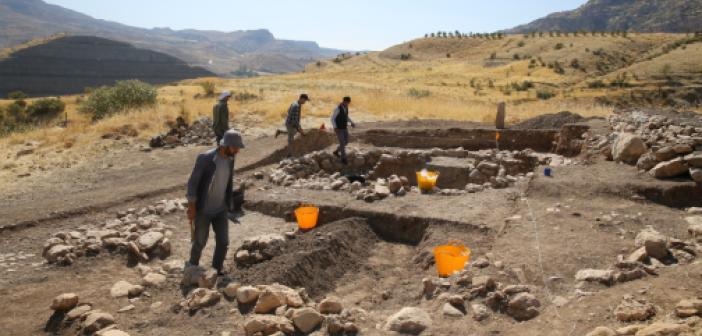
<point>349,245</point>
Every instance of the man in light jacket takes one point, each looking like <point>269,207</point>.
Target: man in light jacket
<point>340,120</point>
<point>209,196</point>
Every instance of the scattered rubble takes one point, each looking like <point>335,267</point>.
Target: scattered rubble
<point>198,133</point>
<point>140,234</point>
<point>409,320</point>
<point>664,146</point>
<point>382,173</point>
<point>631,309</point>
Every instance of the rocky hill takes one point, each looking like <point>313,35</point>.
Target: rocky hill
<point>221,52</point>
<point>70,64</point>
<point>675,16</point>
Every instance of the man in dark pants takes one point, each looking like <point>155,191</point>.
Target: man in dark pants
<point>340,120</point>
<point>220,115</point>
<point>209,195</point>
<point>292,122</point>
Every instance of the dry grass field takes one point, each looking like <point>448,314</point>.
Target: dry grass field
<point>457,79</point>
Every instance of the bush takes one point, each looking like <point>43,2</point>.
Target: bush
<point>46,108</point>
<point>523,86</point>
<point>405,57</point>
<point>17,95</point>
<point>244,96</point>
<point>124,95</point>
<point>418,93</point>
<point>598,84</point>
<point>559,46</point>
<point>209,88</point>
<point>545,94</point>
<point>521,44</point>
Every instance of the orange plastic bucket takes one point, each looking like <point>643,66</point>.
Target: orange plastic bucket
<point>307,217</point>
<point>451,258</point>
<point>426,180</point>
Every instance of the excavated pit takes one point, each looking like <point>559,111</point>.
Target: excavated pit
<point>315,259</point>
<point>332,254</point>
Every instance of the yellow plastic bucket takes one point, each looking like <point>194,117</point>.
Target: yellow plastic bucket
<point>307,217</point>
<point>451,258</point>
<point>426,181</point>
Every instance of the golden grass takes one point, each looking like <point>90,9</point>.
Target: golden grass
<point>379,86</point>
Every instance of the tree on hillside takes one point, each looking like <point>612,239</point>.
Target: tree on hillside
<point>444,34</point>
<point>558,33</point>
<point>541,34</point>
<point>432,35</point>
<point>458,33</point>
<point>426,35</point>
<point>450,35</point>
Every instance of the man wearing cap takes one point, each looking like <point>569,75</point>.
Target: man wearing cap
<point>209,195</point>
<point>292,121</point>
<point>340,120</point>
<point>220,115</point>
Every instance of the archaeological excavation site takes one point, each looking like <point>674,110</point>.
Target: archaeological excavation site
<point>557,226</point>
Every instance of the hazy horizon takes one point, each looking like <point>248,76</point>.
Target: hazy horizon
<point>361,25</point>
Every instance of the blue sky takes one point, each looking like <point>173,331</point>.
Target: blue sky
<point>350,24</point>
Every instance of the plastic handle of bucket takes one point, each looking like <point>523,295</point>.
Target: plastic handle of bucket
<point>456,242</point>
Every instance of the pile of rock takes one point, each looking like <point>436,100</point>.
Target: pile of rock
<point>654,250</point>
<point>484,294</point>
<point>259,249</point>
<point>684,321</point>
<point>657,144</point>
<point>140,234</point>
<point>279,309</point>
<point>383,172</point>
<point>68,309</point>
<point>181,134</point>
<point>323,165</point>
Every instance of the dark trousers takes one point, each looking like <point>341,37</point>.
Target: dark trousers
<point>343,136</point>
<point>220,226</point>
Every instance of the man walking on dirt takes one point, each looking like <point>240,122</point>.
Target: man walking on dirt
<point>340,120</point>
<point>209,196</point>
<point>220,115</point>
<point>292,121</point>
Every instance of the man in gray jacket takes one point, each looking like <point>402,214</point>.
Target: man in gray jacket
<point>209,196</point>
<point>220,115</point>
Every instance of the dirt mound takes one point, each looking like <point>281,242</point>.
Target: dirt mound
<point>550,121</point>
<point>316,259</point>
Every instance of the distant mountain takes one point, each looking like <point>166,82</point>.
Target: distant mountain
<point>221,52</point>
<point>673,16</point>
<point>70,64</point>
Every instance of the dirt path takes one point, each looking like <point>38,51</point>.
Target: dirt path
<point>111,180</point>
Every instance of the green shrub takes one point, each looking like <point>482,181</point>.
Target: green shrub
<point>209,88</point>
<point>46,108</point>
<point>559,46</point>
<point>405,57</point>
<point>244,96</point>
<point>545,94</point>
<point>523,86</point>
<point>124,95</point>
<point>521,44</point>
<point>17,95</point>
<point>598,84</point>
<point>418,93</point>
